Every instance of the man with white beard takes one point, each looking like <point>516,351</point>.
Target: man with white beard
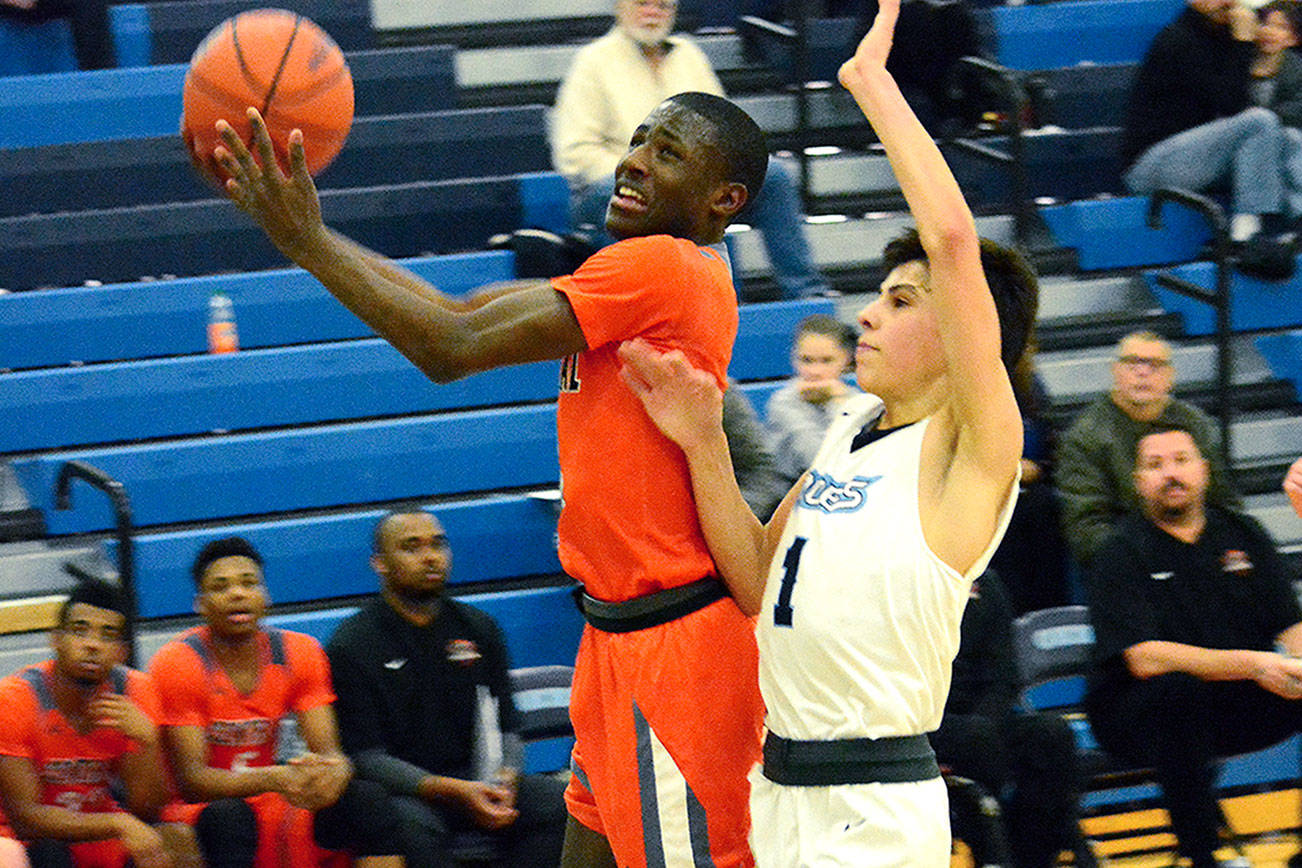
<point>612,84</point>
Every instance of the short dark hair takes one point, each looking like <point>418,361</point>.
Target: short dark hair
<point>1012,282</point>
<point>824,324</point>
<point>97,593</point>
<point>377,533</point>
<point>1166,428</point>
<point>738,138</point>
<point>226,547</point>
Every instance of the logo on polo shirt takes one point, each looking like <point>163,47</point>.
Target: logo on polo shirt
<point>463,651</point>
<point>1160,577</point>
<point>1236,561</point>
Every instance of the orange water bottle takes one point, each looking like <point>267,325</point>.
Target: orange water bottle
<point>222,334</point>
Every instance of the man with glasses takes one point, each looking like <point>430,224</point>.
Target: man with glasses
<point>1096,455</point>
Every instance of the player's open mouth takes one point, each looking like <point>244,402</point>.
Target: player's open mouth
<point>239,617</point>
<point>629,199</point>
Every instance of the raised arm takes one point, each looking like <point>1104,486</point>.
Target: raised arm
<point>985,410</point>
<point>686,404</point>
<point>446,338</point>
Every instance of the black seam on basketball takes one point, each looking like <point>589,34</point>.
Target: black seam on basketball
<point>284,60</point>
<point>291,100</point>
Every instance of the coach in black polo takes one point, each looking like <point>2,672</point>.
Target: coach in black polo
<point>1197,630</point>
<point>412,671</point>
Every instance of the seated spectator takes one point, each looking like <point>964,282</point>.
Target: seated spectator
<point>92,38</point>
<point>1189,603</point>
<point>1027,761</point>
<point>1293,486</point>
<point>415,670</point>
<point>225,686</point>
<point>797,416</point>
<point>1096,455</point>
<point>606,94</point>
<point>81,775</point>
<point>1032,559</point>
<point>1191,124</point>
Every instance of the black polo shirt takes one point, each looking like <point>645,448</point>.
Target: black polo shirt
<point>412,691</point>
<point>1228,590</point>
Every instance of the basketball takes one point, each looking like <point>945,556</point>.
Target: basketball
<point>281,64</point>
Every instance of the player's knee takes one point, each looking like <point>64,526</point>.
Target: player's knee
<point>362,821</point>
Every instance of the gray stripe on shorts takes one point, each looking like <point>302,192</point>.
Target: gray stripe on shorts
<point>578,772</point>
<point>698,829</point>
<point>646,782</point>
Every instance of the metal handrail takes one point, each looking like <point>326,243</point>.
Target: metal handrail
<point>1218,298</point>
<point>117,495</point>
<point>1017,103</point>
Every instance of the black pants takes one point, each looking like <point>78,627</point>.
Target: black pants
<point>1029,763</point>
<point>362,822</point>
<point>1180,725</point>
<point>428,833</point>
<point>92,39</point>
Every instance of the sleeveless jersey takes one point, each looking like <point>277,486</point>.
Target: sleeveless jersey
<point>860,620</point>
<point>241,729</point>
<point>75,770</point>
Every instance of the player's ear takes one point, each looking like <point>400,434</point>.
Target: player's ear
<point>198,602</point>
<point>377,564</point>
<point>729,199</point>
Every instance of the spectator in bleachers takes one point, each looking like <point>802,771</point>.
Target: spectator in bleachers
<point>424,693</point>
<point>797,416</point>
<point>752,461</point>
<point>1028,761</point>
<point>1096,456</point>
<point>1191,124</point>
<point>608,90</point>
<point>1293,486</point>
<point>92,38</point>
<point>78,733</point>
<point>628,529</point>
<point>225,686</point>
<point>1189,602</point>
<point>1032,560</point>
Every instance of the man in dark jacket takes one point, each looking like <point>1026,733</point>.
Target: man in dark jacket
<point>1191,124</point>
<point>414,673</point>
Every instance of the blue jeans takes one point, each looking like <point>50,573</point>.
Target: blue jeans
<point>775,212</point>
<point>1248,150</point>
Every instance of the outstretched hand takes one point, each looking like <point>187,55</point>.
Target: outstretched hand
<point>285,206</point>
<point>874,48</point>
<point>685,403</point>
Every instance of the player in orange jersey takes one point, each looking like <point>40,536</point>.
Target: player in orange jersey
<point>74,731</point>
<point>225,687</point>
<point>665,705</point>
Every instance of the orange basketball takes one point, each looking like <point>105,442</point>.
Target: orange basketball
<point>281,64</point>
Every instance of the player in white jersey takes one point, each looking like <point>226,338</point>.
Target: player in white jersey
<point>860,578</point>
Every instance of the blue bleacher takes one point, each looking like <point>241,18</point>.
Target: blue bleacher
<point>1283,352</point>
<point>1047,35</point>
<point>1113,233</point>
<point>386,149</point>
<point>137,102</point>
<point>169,317</point>
<point>297,385</point>
<point>309,558</point>
<point>307,468</point>
<point>1254,303</point>
<point>211,237</point>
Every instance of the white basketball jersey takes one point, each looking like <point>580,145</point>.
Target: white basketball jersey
<point>860,620</point>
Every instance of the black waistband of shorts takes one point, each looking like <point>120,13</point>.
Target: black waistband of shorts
<point>849,761</point>
<point>650,610</point>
